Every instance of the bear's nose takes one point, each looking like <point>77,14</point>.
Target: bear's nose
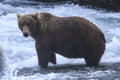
<point>25,34</point>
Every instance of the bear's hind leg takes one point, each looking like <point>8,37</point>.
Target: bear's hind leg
<point>92,61</point>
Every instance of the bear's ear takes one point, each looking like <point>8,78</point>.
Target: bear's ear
<point>35,15</point>
<point>18,16</point>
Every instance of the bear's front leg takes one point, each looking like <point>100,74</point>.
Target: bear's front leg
<point>52,58</point>
<point>43,59</point>
<point>43,56</point>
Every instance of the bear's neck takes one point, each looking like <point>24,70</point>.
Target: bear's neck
<point>35,35</point>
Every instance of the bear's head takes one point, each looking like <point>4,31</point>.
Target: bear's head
<point>28,24</point>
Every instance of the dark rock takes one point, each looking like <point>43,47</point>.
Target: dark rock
<point>52,0</point>
<point>109,5</point>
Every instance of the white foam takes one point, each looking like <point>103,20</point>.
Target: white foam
<point>114,31</point>
<point>98,74</point>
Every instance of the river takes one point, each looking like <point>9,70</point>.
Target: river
<point>20,55</point>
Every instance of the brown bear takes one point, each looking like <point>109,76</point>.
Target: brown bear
<point>71,37</point>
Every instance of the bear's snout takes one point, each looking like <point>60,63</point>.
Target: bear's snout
<point>25,34</point>
<point>25,31</point>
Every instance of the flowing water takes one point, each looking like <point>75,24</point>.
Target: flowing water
<point>20,54</point>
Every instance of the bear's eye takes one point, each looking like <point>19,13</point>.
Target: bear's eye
<point>28,24</point>
<point>20,25</point>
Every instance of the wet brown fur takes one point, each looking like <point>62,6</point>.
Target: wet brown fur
<point>72,37</point>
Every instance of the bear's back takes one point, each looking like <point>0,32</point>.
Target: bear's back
<point>77,26</point>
